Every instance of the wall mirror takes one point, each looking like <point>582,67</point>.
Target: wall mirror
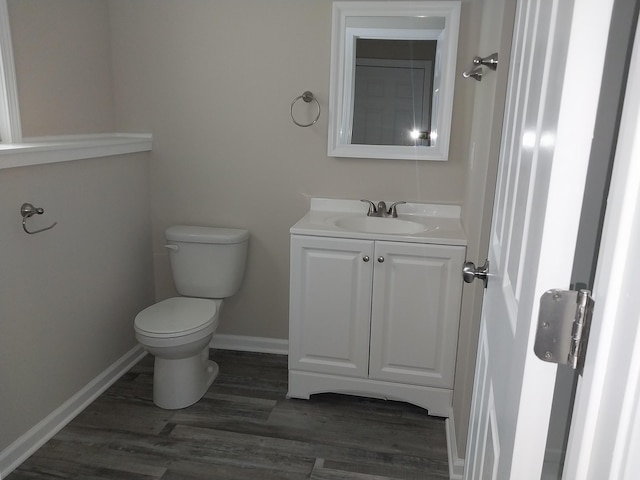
<point>392,79</point>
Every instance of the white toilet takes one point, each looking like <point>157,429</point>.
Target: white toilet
<point>207,265</point>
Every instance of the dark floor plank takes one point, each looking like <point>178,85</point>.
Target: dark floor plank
<point>243,428</point>
<point>75,468</point>
<point>341,469</point>
<point>352,422</point>
<point>71,458</point>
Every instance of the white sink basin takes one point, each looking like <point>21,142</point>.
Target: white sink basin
<point>380,225</point>
<point>416,222</point>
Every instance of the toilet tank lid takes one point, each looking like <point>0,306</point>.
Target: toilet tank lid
<point>192,234</point>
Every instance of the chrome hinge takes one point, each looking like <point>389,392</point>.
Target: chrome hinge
<point>563,327</point>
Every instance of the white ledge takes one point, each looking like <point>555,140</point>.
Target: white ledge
<point>41,150</point>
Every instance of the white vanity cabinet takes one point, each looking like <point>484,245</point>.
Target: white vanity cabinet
<point>415,310</point>
<point>330,305</point>
<point>374,317</point>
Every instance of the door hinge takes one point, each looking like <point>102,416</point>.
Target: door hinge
<point>563,327</point>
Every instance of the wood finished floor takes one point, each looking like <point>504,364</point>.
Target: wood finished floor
<point>244,428</point>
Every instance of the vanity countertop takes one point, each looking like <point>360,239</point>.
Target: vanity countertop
<point>416,222</point>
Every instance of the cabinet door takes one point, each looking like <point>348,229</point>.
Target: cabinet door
<point>415,313</point>
<point>330,305</point>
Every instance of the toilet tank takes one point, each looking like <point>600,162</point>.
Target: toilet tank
<point>207,262</point>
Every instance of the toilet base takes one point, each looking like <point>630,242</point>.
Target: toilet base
<point>178,383</point>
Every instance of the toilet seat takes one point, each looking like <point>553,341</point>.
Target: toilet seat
<point>177,317</point>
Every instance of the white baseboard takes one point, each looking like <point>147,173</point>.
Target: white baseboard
<point>456,464</point>
<point>16,453</point>
<point>250,344</point>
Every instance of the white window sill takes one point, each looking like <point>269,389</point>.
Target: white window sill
<point>41,150</point>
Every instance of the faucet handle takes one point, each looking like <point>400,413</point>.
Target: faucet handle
<point>392,212</point>
<point>372,208</point>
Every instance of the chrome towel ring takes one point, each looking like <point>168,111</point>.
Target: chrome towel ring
<point>27,210</point>
<point>308,98</point>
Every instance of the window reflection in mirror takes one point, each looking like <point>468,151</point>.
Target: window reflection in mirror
<point>392,92</point>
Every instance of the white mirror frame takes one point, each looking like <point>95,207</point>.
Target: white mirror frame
<point>343,75</point>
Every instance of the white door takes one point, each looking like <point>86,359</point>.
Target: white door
<point>554,82</point>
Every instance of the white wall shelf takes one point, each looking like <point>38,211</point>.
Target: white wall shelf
<point>42,150</point>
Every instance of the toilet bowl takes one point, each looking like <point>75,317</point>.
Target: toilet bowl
<point>206,262</point>
<point>177,331</point>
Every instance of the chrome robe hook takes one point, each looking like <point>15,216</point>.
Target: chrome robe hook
<point>475,72</point>
<point>491,61</point>
<point>27,210</point>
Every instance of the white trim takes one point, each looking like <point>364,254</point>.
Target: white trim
<point>42,150</point>
<point>16,453</point>
<point>10,129</point>
<point>437,401</point>
<point>245,343</point>
<point>456,464</point>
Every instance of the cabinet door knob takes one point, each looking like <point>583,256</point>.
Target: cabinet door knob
<point>365,258</point>
<point>380,259</point>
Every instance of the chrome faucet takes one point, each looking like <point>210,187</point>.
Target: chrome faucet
<point>381,210</point>
<point>373,211</point>
<point>392,212</point>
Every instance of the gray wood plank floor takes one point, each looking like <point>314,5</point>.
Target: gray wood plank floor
<point>244,428</point>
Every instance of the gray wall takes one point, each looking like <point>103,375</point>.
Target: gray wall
<point>63,66</point>
<point>213,81</point>
<point>68,296</point>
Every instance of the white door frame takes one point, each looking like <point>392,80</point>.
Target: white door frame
<point>604,440</point>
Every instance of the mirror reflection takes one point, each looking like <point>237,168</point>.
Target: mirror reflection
<point>392,92</point>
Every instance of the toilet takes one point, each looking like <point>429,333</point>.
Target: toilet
<point>208,265</point>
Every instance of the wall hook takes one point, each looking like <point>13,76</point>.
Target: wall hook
<point>475,72</point>
<point>490,61</point>
<point>27,210</point>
